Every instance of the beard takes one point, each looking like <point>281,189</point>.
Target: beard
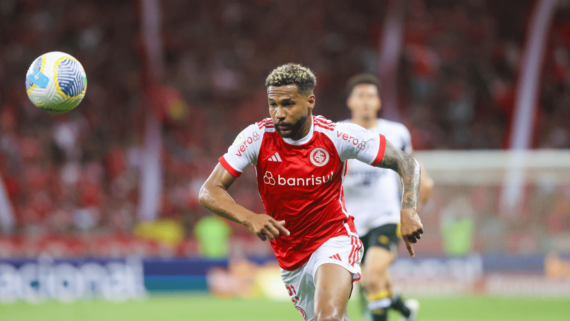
<point>292,129</point>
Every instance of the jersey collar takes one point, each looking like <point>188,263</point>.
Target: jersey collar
<point>303,140</point>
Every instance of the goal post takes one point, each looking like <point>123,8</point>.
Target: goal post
<point>468,195</point>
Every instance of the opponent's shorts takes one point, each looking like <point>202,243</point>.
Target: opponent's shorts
<point>386,236</point>
<point>345,251</point>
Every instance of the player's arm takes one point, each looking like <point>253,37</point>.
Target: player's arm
<point>426,186</point>
<point>410,173</point>
<point>214,196</point>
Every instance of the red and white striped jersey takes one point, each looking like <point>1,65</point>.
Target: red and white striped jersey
<point>301,181</point>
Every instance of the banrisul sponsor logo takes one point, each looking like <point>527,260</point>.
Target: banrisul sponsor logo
<point>269,179</point>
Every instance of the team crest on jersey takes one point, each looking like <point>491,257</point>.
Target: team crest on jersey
<point>319,156</point>
<point>303,314</point>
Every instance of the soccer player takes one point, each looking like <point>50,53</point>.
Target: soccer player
<point>373,198</point>
<point>300,161</point>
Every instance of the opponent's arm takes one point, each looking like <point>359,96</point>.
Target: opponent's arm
<point>214,196</point>
<point>410,173</point>
<point>426,186</point>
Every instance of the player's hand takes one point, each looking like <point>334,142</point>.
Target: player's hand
<point>265,227</point>
<point>411,228</point>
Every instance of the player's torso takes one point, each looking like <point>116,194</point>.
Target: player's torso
<point>298,180</point>
<point>372,194</point>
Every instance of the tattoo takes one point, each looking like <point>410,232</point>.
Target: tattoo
<point>408,169</point>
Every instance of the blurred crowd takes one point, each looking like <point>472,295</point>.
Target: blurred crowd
<point>77,175</point>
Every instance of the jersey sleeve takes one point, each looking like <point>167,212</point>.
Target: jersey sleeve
<point>355,142</point>
<point>243,151</point>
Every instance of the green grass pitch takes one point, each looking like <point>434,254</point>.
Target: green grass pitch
<point>198,308</point>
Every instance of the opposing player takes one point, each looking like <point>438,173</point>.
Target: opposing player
<point>373,198</point>
<point>300,161</point>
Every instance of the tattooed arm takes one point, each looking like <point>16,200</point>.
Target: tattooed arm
<point>409,170</point>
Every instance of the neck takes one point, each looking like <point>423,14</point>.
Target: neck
<point>305,130</point>
<point>366,123</point>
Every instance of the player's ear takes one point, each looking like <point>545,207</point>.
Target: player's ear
<point>311,100</point>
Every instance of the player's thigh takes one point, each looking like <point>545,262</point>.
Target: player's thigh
<point>377,261</point>
<point>381,245</point>
<point>333,285</point>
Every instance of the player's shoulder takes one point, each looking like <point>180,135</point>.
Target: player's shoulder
<point>343,131</point>
<point>323,124</point>
<point>254,132</point>
<point>260,127</point>
<point>336,129</point>
<point>350,127</point>
<point>265,125</point>
<point>384,125</point>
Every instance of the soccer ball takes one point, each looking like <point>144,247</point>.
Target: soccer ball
<point>56,82</point>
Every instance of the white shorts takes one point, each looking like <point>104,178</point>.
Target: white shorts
<point>345,251</point>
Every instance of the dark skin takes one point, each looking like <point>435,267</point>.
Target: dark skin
<point>291,112</point>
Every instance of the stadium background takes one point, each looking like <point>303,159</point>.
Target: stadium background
<point>101,203</point>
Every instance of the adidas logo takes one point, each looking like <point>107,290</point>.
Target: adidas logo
<point>275,158</point>
<point>335,257</point>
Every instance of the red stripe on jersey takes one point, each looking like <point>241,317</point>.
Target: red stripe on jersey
<point>331,128</point>
<point>322,118</point>
<point>381,151</point>
<point>326,123</point>
<point>265,123</point>
<point>323,124</point>
<point>229,167</point>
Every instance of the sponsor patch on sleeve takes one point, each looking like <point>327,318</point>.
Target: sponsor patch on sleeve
<point>239,139</point>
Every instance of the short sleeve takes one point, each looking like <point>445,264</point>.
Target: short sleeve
<point>355,142</point>
<point>244,151</point>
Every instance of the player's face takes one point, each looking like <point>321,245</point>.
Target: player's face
<point>289,110</point>
<point>364,101</point>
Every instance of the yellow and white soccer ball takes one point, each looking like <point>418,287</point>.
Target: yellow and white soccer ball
<point>56,82</point>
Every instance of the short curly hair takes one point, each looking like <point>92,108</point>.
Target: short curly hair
<point>293,74</point>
